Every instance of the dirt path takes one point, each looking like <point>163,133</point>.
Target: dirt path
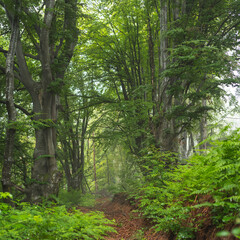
<point>129,224</point>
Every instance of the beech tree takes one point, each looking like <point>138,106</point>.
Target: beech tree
<point>48,36</point>
<point>72,127</point>
<point>10,135</point>
<point>166,61</point>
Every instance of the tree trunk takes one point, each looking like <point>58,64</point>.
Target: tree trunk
<point>73,149</point>
<point>108,171</point>
<point>10,135</point>
<point>192,145</point>
<point>203,128</point>
<point>165,135</point>
<point>165,131</point>
<point>94,165</point>
<point>82,145</point>
<point>45,175</point>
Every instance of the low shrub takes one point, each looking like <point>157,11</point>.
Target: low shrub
<point>74,198</point>
<point>169,195</point>
<point>34,222</point>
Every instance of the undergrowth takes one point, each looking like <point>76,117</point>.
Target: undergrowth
<point>35,222</point>
<point>74,198</point>
<point>169,195</point>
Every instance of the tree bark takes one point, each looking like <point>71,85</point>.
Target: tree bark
<point>10,135</point>
<point>203,127</point>
<point>94,165</point>
<point>165,130</point>
<point>165,135</point>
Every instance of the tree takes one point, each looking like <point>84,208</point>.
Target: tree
<point>10,135</point>
<point>164,59</point>
<point>49,37</point>
<point>72,128</point>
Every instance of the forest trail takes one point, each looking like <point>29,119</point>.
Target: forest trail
<point>130,225</point>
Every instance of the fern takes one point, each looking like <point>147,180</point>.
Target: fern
<point>216,174</point>
<point>37,223</point>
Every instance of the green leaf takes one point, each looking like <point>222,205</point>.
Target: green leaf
<point>236,232</point>
<point>5,195</point>
<point>223,234</point>
<point>227,218</point>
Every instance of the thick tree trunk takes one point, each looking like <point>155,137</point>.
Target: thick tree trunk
<point>183,149</point>
<point>165,135</point>
<point>165,131</point>
<point>10,136</point>
<point>45,175</point>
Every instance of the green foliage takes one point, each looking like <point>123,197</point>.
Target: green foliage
<point>138,235</point>
<point>56,86</point>
<point>4,207</point>
<point>170,199</point>
<point>41,222</point>
<point>76,198</point>
<point>235,231</point>
<point>4,195</point>
<point>26,124</point>
<point>155,162</point>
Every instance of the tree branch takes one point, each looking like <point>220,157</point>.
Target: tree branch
<point>3,51</point>
<point>226,31</point>
<point>23,190</point>
<point>3,70</point>
<point>219,29</point>
<point>70,25</point>
<point>19,107</point>
<point>36,27</point>
<point>25,75</point>
<point>36,57</point>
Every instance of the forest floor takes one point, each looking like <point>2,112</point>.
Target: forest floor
<point>130,225</point>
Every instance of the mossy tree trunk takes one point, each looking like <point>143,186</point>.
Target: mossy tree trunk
<point>52,52</point>
<point>10,135</point>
